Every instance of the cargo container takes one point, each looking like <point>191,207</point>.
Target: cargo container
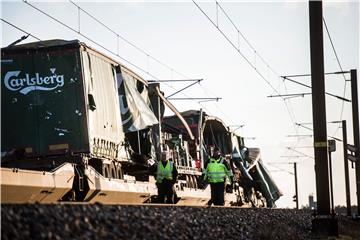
<point>60,105</point>
<point>59,97</point>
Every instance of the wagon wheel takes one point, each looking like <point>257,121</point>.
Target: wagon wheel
<point>192,184</point>
<point>188,182</point>
<point>119,172</point>
<point>195,182</point>
<point>113,171</point>
<point>105,171</point>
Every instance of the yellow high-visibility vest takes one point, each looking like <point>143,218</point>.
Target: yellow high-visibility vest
<point>216,171</point>
<point>164,172</point>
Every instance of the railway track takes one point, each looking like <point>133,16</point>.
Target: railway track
<point>151,221</point>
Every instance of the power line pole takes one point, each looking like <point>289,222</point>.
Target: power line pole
<point>355,115</point>
<point>346,167</point>
<point>331,148</point>
<point>323,226</point>
<point>318,105</point>
<point>296,187</point>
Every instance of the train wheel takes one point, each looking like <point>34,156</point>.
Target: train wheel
<point>113,171</point>
<point>106,172</point>
<point>119,172</point>
<point>195,182</point>
<point>192,183</point>
<point>187,181</point>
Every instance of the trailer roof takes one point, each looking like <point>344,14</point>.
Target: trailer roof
<point>54,44</point>
<point>61,43</point>
<point>44,44</point>
<point>196,113</point>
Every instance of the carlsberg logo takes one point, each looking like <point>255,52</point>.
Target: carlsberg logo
<point>27,83</point>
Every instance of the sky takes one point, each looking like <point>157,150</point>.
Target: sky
<point>181,37</point>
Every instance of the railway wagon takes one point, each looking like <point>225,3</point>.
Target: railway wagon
<point>77,125</point>
<point>254,185</point>
<point>62,133</point>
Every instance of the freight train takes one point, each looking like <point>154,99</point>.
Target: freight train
<point>79,126</point>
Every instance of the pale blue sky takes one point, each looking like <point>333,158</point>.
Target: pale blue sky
<point>179,35</point>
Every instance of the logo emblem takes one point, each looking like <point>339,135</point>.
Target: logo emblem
<point>27,83</point>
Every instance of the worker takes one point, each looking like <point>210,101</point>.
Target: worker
<point>216,172</point>
<point>166,176</point>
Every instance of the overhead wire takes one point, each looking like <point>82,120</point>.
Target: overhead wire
<point>246,40</point>
<point>20,29</point>
<point>287,102</point>
<point>145,52</point>
<point>110,51</point>
<point>128,41</point>
<point>345,82</point>
<point>132,64</point>
<point>89,39</point>
<point>310,129</point>
<point>244,57</point>
<point>135,46</point>
<point>279,168</point>
<point>305,155</point>
<point>237,49</point>
<point>140,50</point>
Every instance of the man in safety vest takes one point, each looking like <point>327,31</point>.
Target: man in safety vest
<point>166,176</point>
<point>216,172</point>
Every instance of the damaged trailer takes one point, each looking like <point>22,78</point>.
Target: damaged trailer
<point>60,106</point>
<point>78,126</point>
<point>253,184</point>
<point>146,153</point>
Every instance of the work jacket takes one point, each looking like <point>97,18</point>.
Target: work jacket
<point>216,171</point>
<point>164,172</point>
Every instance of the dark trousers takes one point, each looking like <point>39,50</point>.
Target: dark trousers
<point>217,193</point>
<point>165,191</point>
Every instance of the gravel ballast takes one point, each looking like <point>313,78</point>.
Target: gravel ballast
<point>73,221</point>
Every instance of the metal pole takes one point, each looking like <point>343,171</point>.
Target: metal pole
<point>355,114</point>
<point>296,186</point>
<point>159,119</point>
<point>139,143</point>
<point>346,167</point>
<point>304,85</point>
<point>331,186</point>
<point>202,160</point>
<point>184,88</point>
<point>318,106</point>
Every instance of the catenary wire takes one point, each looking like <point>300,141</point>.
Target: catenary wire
<point>345,82</point>
<point>127,41</point>
<point>18,28</point>
<point>242,55</point>
<point>139,49</point>
<point>106,49</point>
<point>144,52</point>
